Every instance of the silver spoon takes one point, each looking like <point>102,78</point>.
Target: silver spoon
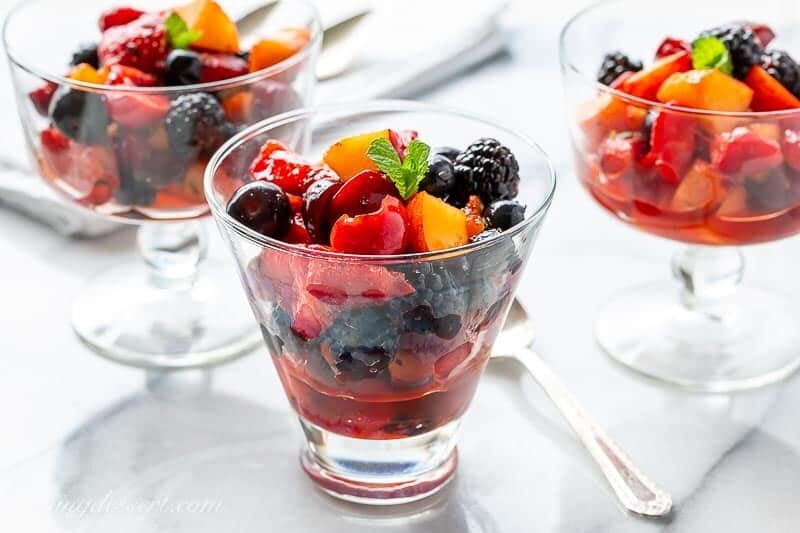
<point>338,46</point>
<point>633,489</point>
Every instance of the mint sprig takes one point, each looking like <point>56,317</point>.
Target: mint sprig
<point>180,36</point>
<point>710,52</point>
<point>407,174</point>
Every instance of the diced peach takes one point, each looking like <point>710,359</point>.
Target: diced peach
<point>237,106</point>
<point>348,157</point>
<point>279,47</point>
<point>87,73</point>
<point>712,90</point>
<point>435,224</point>
<point>599,117</point>
<point>769,94</point>
<point>698,190</point>
<point>646,83</point>
<point>767,130</point>
<point>218,32</point>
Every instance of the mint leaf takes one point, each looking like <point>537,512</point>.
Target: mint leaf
<point>180,36</point>
<point>711,53</point>
<point>406,175</point>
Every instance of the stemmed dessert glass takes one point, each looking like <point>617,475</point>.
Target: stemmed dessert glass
<point>175,309</point>
<point>705,332</point>
<point>379,401</point>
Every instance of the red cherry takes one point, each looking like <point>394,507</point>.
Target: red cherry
<point>361,194</point>
<point>284,168</point>
<point>137,110</point>
<point>297,232</point>
<point>53,140</point>
<point>764,33</point>
<point>217,67</point>
<point>672,45</point>
<point>118,16</point>
<point>383,232</point>
<point>315,208</point>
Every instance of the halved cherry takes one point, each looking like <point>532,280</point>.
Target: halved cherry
<point>315,207</point>
<point>286,169</point>
<point>297,232</point>
<point>361,194</point>
<point>382,232</point>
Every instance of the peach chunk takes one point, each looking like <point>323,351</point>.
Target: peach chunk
<point>699,189</point>
<point>218,32</point>
<point>435,224</point>
<point>279,47</point>
<point>87,73</point>
<point>711,90</point>
<point>348,157</point>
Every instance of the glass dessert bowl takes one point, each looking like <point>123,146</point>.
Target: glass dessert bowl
<point>379,304</point>
<point>698,145</point>
<point>125,129</point>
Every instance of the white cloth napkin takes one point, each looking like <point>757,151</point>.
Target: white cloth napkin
<point>404,48</point>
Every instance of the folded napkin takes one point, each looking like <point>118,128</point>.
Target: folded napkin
<point>403,49</point>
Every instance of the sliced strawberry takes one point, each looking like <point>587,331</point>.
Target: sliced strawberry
<point>645,83</point>
<point>401,139</point>
<point>134,110</point>
<point>216,67</point>
<point>118,16</point>
<point>672,45</point>
<point>382,232</point>
<point>744,152</point>
<point>768,93</point>
<point>42,97</point>
<point>53,140</point>
<point>619,153</point>
<point>141,44</point>
<point>672,142</point>
<point>124,75</point>
<point>284,168</point>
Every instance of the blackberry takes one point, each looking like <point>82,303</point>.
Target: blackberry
<point>195,125</point>
<point>743,45</point>
<point>87,53</point>
<point>615,64</point>
<point>488,169</point>
<point>80,115</point>
<point>783,68</point>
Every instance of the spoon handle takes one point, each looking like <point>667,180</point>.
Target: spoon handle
<point>634,490</point>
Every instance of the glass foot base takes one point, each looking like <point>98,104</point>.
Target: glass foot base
<point>752,341</point>
<point>131,317</point>
<point>380,472</point>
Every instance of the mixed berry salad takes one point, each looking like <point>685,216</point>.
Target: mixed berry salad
<point>684,147</point>
<point>142,153</point>
<point>370,347</point>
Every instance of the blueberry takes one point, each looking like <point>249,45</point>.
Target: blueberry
<point>86,53</point>
<point>440,177</point>
<point>505,214</point>
<point>446,151</point>
<point>261,206</point>
<point>448,326</point>
<point>80,115</point>
<point>182,67</point>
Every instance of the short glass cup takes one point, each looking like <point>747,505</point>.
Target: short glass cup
<point>379,355</point>
<point>705,331</point>
<point>174,309</point>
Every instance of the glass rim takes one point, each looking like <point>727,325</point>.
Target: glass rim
<point>568,66</point>
<point>221,215</point>
<point>230,83</point>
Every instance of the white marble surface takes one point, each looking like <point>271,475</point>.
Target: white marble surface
<point>78,427</point>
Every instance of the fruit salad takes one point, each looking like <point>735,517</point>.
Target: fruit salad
<point>701,145</point>
<point>381,346</point>
<point>140,153</point>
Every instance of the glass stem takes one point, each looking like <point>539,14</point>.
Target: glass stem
<point>709,275</point>
<point>173,251</point>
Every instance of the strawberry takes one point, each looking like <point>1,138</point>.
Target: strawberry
<point>672,45</point>
<point>673,143</point>
<point>42,96</point>
<point>216,67</point>
<point>123,75</point>
<point>284,168</point>
<point>134,110</point>
<point>53,140</point>
<point>118,16</point>
<point>744,152</point>
<point>141,44</point>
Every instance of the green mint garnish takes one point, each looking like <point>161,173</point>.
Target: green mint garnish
<point>711,53</point>
<point>407,174</point>
<point>180,36</point>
